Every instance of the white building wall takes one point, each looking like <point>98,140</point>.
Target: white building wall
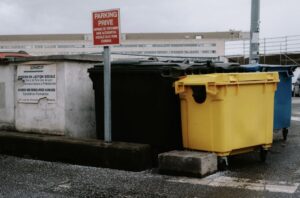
<point>72,114</point>
<point>143,47</point>
<point>179,47</point>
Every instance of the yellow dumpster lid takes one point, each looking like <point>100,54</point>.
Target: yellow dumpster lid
<point>230,78</point>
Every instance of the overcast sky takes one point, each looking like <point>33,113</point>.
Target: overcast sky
<point>278,17</point>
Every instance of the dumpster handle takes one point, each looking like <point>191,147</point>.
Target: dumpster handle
<point>210,87</point>
<point>210,90</point>
<point>179,87</point>
<point>289,73</point>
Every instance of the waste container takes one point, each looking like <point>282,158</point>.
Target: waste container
<point>283,95</point>
<point>227,113</point>
<point>215,67</point>
<point>145,108</point>
<point>251,68</point>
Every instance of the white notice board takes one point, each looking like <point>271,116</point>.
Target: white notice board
<point>36,82</point>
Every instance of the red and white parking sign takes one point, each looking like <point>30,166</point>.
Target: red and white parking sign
<point>106,27</point>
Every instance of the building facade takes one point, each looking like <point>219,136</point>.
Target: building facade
<point>196,45</point>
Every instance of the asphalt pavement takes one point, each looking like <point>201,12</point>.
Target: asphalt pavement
<point>279,176</point>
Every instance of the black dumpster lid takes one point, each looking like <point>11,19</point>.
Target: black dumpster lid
<point>143,64</point>
<point>155,64</point>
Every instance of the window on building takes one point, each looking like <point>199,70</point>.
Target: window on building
<point>193,52</point>
<point>89,46</point>
<point>161,45</point>
<point>150,52</point>
<point>177,45</point>
<point>129,45</point>
<point>132,52</point>
<point>161,52</point>
<point>190,45</point>
<point>177,52</point>
<point>38,46</point>
<point>208,51</point>
<point>207,45</point>
<point>49,46</point>
<point>66,46</point>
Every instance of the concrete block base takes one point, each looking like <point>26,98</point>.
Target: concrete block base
<point>90,152</point>
<point>187,163</point>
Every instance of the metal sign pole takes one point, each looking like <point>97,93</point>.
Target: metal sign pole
<point>107,95</point>
<point>254,32</point>
<point>106,32</point>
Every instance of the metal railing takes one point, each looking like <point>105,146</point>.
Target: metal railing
<point>268,46</point>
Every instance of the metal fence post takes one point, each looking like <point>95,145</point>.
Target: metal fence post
<point>244,51</point>
<point>107,95</point>
<point>280,54</point>
<point>285,50</point>
<point>264,50</point>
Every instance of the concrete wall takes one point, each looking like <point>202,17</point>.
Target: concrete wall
<point>73,112</point>
<point>79,101</point>
<point>7,102</point>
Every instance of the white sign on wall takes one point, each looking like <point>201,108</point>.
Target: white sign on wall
<point>36,82</point>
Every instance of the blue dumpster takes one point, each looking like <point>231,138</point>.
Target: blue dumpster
<point>251,68</point>
<point>283,95</point>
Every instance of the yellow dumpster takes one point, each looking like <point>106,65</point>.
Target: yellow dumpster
<point>228,113</point>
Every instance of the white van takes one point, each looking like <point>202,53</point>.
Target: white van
<point>296,83</point>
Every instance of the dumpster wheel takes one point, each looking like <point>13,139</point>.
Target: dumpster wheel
<point>285,132</point>
<point>263,154</point>
<point>223,163</point>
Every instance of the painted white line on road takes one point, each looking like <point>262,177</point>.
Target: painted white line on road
<point>294,118</point>
<point>296,101</point>
<point>297,172</point>
<point>296,112</point>
<point>241,183</point>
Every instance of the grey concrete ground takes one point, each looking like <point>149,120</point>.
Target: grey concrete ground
<point>246,177</point>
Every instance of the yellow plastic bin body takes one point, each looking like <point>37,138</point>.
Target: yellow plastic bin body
<point>234,114</point>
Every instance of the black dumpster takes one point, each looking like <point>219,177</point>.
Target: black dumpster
<point>214,67</point>
<point>145,108</point>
